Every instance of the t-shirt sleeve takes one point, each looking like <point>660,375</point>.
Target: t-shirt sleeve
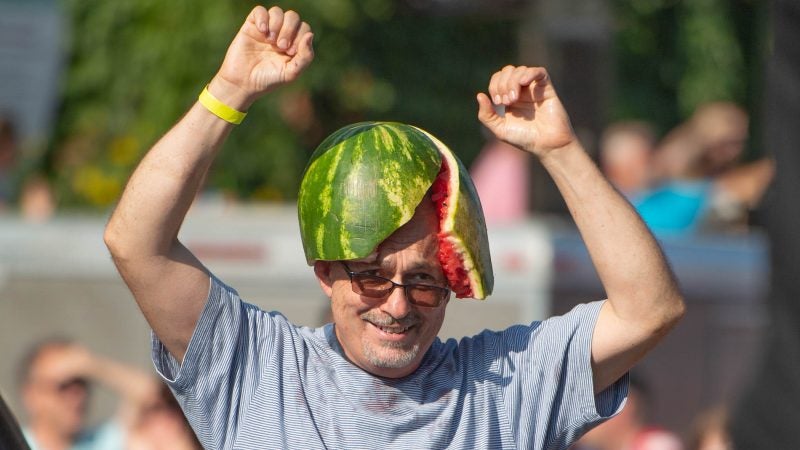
<point>222,365</point>
<point>555,380</point>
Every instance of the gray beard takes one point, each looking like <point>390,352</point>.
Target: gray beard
<point>393,356</point>
<point>390,355</point>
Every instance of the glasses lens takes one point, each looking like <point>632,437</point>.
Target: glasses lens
<point>425,295</point>
<point>370,285</point>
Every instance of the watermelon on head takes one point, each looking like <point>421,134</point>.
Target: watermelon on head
<point>365,181</point>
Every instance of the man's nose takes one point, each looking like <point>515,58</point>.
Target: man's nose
<point>397,303</point>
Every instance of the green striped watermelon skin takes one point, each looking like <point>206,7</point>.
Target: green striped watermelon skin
<point>361,184</point>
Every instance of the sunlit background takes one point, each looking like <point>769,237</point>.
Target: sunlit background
<point>87,86</point>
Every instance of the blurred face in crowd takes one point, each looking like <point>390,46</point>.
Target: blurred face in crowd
<point>162,425</point>
<point>52,402</point>
<point>723,131</point>
<point>625,159</point>
<point>726,147</point>
<point>389,336</point>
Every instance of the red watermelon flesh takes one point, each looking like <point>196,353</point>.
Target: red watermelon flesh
<point>452,262</point>
<point>463,242</point>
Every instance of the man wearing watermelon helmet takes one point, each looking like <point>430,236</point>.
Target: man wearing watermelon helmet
<point>379,377</point>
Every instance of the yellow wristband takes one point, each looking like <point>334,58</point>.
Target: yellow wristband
<point>220,109</point>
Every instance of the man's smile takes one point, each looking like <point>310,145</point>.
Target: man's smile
<point>394,332</point>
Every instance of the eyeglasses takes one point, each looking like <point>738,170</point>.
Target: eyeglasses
<point>62,387</point>
<point>73,384</point>
<point>373,286</point>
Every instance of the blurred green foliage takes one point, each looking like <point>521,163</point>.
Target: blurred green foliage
<point>136,65</point>
<point>672,55</point>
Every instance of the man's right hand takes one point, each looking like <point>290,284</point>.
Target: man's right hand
<point>271,48</point>
<point>169,283</point>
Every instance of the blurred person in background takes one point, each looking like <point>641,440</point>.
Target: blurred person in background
<point>680,195</point>
<point>36,200</point>
<point>8,160</point>
<point>55,379</point>
<point>500,173</point>
<point>721,129</point>
<point>700,183</point>
<point>710,430</point>
<point>706,145</point>
<point>631,430</point>
<point>162,426</point>
<point>626,153</point>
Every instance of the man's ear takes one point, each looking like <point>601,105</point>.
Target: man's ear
<point>322,269</point>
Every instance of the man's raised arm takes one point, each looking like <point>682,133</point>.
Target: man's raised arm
<point>644,302</point>
<point>170,285</point>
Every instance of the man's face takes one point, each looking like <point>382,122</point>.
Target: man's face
<point>51,401</point>
<point>389,336</point>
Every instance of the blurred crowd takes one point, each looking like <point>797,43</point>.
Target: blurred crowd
<point>57,376</point>
<point>692,180</point>
<point>55,380</point>
<point>633,428</point>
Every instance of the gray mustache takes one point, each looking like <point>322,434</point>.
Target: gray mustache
<point>385,320</point>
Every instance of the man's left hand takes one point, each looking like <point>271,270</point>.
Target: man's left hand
<point>534,118</point>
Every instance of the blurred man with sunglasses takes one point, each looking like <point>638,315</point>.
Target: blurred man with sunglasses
<point>378,377</point>
<point>55,378</point>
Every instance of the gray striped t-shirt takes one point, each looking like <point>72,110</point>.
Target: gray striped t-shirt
<point>252,380</point>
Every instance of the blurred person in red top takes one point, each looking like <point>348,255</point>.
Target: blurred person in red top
<point>55,380</point>
<point>630,429</point>
<point>501,177</point>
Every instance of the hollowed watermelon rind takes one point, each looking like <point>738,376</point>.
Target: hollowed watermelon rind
<point>361,184</point>
<point>463,230</point>
<point>366,180</point>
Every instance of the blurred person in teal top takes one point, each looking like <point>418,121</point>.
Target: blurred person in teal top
<point>699,182</point>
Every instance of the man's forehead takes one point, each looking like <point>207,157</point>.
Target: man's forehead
<point>44,358</point>
<point>422,252</point>
<point>424,223</point>
<point>415,243</point>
